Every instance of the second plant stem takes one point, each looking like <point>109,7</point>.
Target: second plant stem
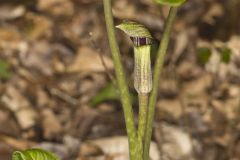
<point>156,76</point>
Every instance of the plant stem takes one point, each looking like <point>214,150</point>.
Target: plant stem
<point>123,87</point>
<point>156,76</point>
<point>142,120</point>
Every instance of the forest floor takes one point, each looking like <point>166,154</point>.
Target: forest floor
<point>56,93</point>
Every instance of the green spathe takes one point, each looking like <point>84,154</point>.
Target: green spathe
<point>142,69</point>
<point>33,154</point>
<point>170,2</point>
<point>134,29</point>
<point>142,60</point>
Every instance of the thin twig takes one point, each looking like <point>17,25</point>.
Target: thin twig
<point>99,51</point>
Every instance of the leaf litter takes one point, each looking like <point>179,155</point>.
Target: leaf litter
<point>51,69</point>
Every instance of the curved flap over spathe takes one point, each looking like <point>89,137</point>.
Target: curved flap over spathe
<point>138,33</point>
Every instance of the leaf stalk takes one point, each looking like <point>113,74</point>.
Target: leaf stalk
<point>156,77</point>
<point>121,80</point>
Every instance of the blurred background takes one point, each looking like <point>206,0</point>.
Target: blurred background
<point>56,72</point>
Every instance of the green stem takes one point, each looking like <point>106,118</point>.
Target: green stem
<point>156,76</point>
<point>142,120</point>
<point>120,75</point>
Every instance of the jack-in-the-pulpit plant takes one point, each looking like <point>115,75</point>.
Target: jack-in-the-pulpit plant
<point>140,138</point>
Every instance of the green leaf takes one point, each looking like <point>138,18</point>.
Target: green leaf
<point>134,29</point>
<point>34,154</point>
<point>4,69</point>
<point>107,93</point>
<point>204,54</point>
<point>170,2</point>
<point>225,55</point>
